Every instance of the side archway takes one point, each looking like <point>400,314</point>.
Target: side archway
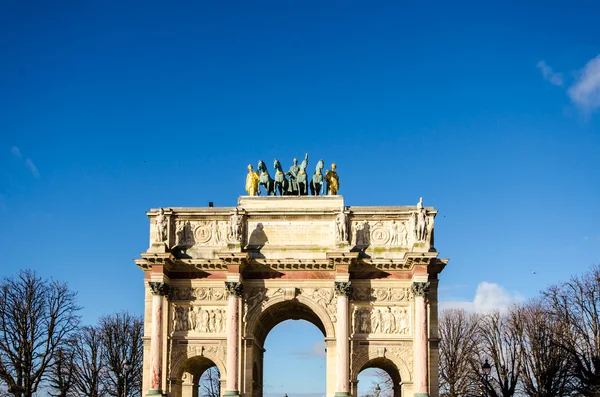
<point>383,358</point>
<point>189,362</point>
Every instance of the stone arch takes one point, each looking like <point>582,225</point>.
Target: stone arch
<point>197,358</point>
<point>368,357</point>
<point>300,307</point>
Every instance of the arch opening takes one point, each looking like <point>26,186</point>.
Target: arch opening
<point>293,347</point>
<point>382,377</point>
<point>197,376</point>
<point>282,311</point>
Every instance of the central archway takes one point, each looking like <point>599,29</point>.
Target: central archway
<point>274,312</point>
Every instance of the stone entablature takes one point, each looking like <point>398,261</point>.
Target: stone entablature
<point>290,232</point>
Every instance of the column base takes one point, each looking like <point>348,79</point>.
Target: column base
<point>421,395</point>
<point>231,393</point>
<point>156,392</point>
<point>342,394</point>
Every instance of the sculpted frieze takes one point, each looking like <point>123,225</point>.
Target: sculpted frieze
<point>381,320</point>
<point>324,297</point>
<point>256,298</point>
<point>398,294</point>
<point>199,319</point>
<point>199,293</point>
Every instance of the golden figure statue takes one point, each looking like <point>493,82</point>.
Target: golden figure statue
<point>333,181</point>
<point>251,182</point>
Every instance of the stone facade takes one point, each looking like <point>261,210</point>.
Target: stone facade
<point>219,279</point>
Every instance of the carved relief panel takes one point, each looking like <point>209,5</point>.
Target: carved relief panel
<point>200,319</point>
<point>202,233</point>
<point>382,294</point>
<point>394,321</point>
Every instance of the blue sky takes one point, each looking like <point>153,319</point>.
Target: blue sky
<point>488,110</point>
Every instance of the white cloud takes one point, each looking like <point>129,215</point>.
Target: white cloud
<point>551,76</point>
<point>32,168</point>
<point>488,297</point>
<point>585,92</point>
<point>15,151</point>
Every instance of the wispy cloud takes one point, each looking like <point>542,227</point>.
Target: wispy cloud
<point>550,75</point>
<point>489,296</point>
<point>34,171</point>
<point>585,91</point>
<point>317,350</point>
<point>16,151</point>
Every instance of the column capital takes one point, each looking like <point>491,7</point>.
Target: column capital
<point>343,288</point>
<point>420,289</point>
<point>234,288</point>
<point>159,288</point>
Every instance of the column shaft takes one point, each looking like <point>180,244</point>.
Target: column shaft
<point>421,361</point>
<point>233,348</point>
<point>342,341</point>
<point>159,290</point>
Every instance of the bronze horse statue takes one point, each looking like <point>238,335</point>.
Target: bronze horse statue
<point>317,180</point>
<point>265,179</point>
<point>302,180</point>
<point>281,182</point>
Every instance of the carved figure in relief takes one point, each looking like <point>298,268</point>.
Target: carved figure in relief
<point>252,182</point>
<point>216,232</point>
<point>184,235</point>
<point>265,179</point>
<point>204,325</point>
<point>393,233</point>
<point>363,234</point>
<point>293,174</point>
<point>333,181</point>
<point>404,234</point>
<point>281,182</point>
<point>191,319</point>
<point>341,223</point>
<point>160,225</point>
<point>316,184</point>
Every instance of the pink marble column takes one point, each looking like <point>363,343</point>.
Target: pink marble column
<point>421,360</point>
<point>159,290</point>
<point>233,349</point>
<point>342,290</point>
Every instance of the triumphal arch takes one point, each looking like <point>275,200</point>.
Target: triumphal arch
<point>218,279</point>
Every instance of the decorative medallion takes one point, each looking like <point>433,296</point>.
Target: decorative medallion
<point>203,234</point>
<point>380,235</point>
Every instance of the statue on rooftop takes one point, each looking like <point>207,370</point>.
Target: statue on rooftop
<point>281,182</point>
<point>251,182</point>
<point>293,174</point>
<point>317,180</point>
<point>332,180</point>
<point>265,179</point>
<point>302,180</point>
<point>160,225</point>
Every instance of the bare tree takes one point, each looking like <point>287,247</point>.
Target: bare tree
<point>62,372</point>
<point>459,340</point>
<point>88,353</point>
<point>122,338</point>
<point>36,318</point>
<point>575,305</point>
<point>546,368</point>
<point>210,384</point>
<point>500,341</point>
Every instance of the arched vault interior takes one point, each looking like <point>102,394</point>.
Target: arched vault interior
<point>288,310</point>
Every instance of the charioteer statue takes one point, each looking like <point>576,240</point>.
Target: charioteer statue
<point>298,183</point>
